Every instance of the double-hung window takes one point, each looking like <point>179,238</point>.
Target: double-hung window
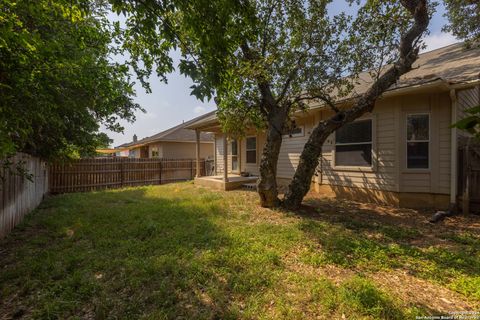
<point>418,141</point>
<point>155,152</point>
<point>353,144</point>
<point>251,150</point>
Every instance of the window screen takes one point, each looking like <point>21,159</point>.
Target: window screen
<point>353,144</point>
<point>234,149</point>
<point>418,141</point>
<point>251,150</point>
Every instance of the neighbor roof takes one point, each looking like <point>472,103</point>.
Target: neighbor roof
<point>452,65</point>
<point>178,133</point>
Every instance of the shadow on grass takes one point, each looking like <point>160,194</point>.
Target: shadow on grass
<point>363,240</point>
<point>126,254</point>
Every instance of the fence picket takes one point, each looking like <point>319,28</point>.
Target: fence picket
<point>18,195</point>
<point>96,174</point>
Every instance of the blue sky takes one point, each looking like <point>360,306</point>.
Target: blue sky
<point>170,104</point>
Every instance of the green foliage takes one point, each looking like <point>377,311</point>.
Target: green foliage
<point>352,246</point>
<point>471,123</point>
<point>237,50</point>
<point>57,79</point>
<point>464,19</point>
<point>179,251</point>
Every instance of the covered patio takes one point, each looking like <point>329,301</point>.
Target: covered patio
<point>218,182</point>
<point>222,178</point>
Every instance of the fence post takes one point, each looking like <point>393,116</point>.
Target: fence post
<point>466,176</point>
<point>122,160</point>
<point>191,170</point>
<point>160,161</point>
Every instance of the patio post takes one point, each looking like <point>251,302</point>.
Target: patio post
<point>225,158</point>
<point>198,174</point>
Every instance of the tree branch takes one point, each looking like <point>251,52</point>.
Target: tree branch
<point>408,51</point>
<point>267,96</point>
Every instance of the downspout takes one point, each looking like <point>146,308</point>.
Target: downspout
<point>453,153</point>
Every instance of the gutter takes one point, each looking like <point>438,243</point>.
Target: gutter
<point>454,139</point>
<point>465,85</point>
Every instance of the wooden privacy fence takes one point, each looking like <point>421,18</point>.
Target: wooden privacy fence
<point>469,178</point>
<point>18,194</point>
<point>95,174</point>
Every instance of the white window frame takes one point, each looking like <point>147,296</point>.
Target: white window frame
<point>246,149</point>
<point>370,168</point>
<point>296,135</point>
<point>429,140</point>
<point>155,149</point>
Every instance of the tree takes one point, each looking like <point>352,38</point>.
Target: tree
<point>266,59</point>
<point>57,79</point>
<point>464,20</point>
<point>471,123</point>
<point>408,50</point>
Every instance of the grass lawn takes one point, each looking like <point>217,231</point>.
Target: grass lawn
<point>183,252</point>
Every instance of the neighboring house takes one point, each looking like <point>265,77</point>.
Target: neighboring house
<point>404,153</point>
<point>174,143</point>
<point>122,150</point>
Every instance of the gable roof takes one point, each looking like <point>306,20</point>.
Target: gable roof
<point>451,65</point>
<point>178,133</point>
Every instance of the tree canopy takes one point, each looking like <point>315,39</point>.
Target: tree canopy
<point>265,59</point>
<point>464,19</point>
<point>58,82</point>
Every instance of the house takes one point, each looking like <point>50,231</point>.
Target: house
<point>174,143</point>
<point>404,153</point>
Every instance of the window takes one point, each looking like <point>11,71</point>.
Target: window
<point>234,151</point>
<point>155,153</point>
<point>251,150</point>
<point>234,148</point>
<point>353,144</point>
<point>418,140</point>
<point>293,132</point>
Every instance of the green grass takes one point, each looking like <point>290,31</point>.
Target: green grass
<point>183,252</point>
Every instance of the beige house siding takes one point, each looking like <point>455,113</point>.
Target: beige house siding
<point>177,150</point>
<point>292,148</point>
<point>159,146</point>
<point>388,171</point>
<point>219,154</point>
<point>383,174</point>
<point>251,168</point>
<point>436,179</point>
<point>466,99</point>
<point>185,150</point>
<point>135,152</point>
<point>242,154</point>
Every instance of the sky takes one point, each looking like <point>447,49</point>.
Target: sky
<point>170,104</point>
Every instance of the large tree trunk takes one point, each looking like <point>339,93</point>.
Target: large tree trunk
<point>408,51</point>
<point>267,183</point>
<point>309,158</point>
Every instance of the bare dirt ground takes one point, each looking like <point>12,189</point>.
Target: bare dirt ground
<point>426,235</point>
